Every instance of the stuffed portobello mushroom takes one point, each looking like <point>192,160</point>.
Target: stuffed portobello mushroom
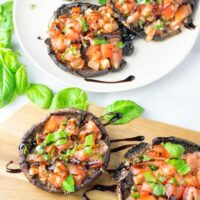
<point>86,40</point>
<point>65,152</point>
<point>167,169</point>
<point>155,19</point>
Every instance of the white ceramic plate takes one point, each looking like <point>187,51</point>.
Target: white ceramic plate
<point>150,62</point>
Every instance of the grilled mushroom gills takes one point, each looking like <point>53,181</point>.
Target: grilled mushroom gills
<point>65,152</point>
<point>86,40</point>
<point>155,19</point>
<point>167,169</point>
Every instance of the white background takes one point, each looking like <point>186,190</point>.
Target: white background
<point>174,99</point>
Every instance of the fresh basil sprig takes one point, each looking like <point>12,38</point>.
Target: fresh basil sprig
<point>129,110</point>
<point>70,97</point>
<point>7,84</point>
<point>21,80</point>
<point>6,24</point>
<point>40,94</point>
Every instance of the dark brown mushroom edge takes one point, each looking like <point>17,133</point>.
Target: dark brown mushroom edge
<point>155,19</point>
<point>169,168</point>
<point>86,40</point>
<point>65,152</point>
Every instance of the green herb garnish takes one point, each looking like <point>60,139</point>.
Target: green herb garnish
<point>175,150</point>
<point>84,25</point>
<point>103,2</point>
<point>149,177</point>
<point>69,184</point>
<point>89,141</point>
<point>159,189</point>
<point>53,137</point>
<point>181,166</point>
<point>100,41</point>
<point>120,45</point>
<point>135,195</point>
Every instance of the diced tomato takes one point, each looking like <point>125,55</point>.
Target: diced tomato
<point>54,123</point>
<point>77,63</point>
<point>58,43</point>
<point>191,180</point>
<point>147,197</point>
<point>175,191</point>
<point>139,168</point>
<point>170,190</point>
<point>55,179</point>
<point>158,151</point>
<point>183,12</point>
<point>168,12</point>
<point>133,17</point>
<point>93,52</point>
<point>77,172</point>
<point>138,179</point>
<point>81,155</point>
<point>76,9</point>
<point>146,188</point>
<point>147,9</point>
<point>193,160</point>
<point>116,58</point>
<point>105,64</point>
<point>190,193</point>
<point>94,64</point>
<point>72,35</point>
<point>107,50</point>
<point>167,170</point>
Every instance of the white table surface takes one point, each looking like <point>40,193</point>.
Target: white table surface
<point>174,99</point>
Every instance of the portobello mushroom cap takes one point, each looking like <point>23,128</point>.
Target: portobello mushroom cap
<point>86,72</point>
<point>28,143</point>
<point>139,32</point>
<point>125,177</point>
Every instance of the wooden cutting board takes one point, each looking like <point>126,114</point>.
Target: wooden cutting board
<point>16,187</point>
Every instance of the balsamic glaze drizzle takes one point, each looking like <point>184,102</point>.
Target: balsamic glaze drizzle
<point>121,148</point>
<point>128,79</point>
<point>103,188</point>
<point>137,138</point>
<point>13,171</point>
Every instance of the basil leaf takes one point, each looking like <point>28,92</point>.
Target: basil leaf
<point>84,25</point>
<point>129,110</point>
<point>70,97</point>
<point>68,184</point>
<point>11,60</point>
<point>40,94</point>
<point>149,177</point>
<point>7,84</point>
<point>181,166</point>
<point>53,137</point>
<point>159,189</point>
<point>89,141</point>
<point>175,150</point>
<point>6,24</point>
<point>21,80</point>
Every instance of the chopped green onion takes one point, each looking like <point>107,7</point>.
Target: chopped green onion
<point>40,148</point>
<point>53,137</point>
<point>153,167</point>
<point>73,50</point>
<point>70,152</point>
<point>68,184</point>
<point>135,195</point>
<point>181,166</point>
<point>84,25</point>
<point>60,142</point>
<point>100,41</point>
<point>159,26</point>
<point>149,177</point>
<point>120,45</point>
<point>161,178</point>
<point>89,141</point>
<point>159,1</point>
<point>103,2</point>
<point>159,189</point>
<point>173,181</point>
<point>146,158</point>
<point>45,157</point>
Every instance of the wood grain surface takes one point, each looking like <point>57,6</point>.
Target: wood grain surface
<point>16,187</point>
